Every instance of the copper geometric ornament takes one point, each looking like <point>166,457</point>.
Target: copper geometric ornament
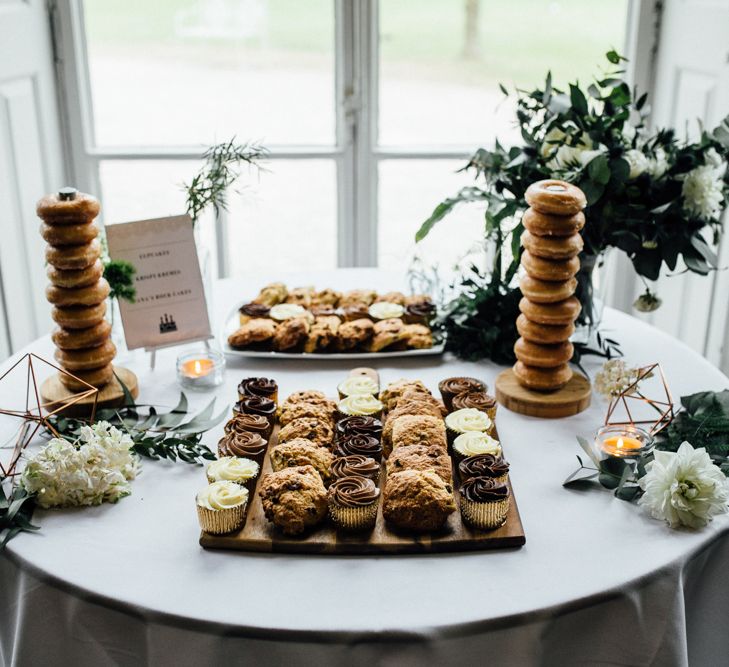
<point>638,409</point>
<point>35,410</point>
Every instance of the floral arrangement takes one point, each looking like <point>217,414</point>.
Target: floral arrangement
<point>653,196</point>
<point>94,470</point>
<point>616,377</point>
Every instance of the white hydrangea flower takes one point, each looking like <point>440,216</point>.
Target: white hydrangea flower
<point>614,378</point>
<point>96,469</point>
<point>684,487</point>
<point>658,165</point>
<point>638,162</point>
<point>702,191</point>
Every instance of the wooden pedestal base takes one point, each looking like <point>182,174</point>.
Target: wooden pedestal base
<point>110,396</point>
<point>573,398</point>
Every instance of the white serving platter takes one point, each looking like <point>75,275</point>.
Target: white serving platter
<point>232,323</point>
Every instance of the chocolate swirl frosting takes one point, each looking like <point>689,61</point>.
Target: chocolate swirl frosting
<point>365,445</point>
<point>455,386</point>
<point>473,399</point>
<point>424,310</point>
<point>255,310</point>
<point>248,445</point>
<point>483,489</point>
<point>359,425</point>
<point>242,423</point>
<point>482,465</point>
<point>256,405</point>
<point>355,465</point>
<point>353,492</point>
<point>258,387</point>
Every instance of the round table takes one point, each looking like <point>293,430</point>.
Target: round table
<point>598,582</point>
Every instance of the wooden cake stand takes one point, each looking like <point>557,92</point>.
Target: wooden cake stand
<point>572,399</point>
<point>53,392</point>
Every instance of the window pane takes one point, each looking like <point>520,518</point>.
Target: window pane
<point>200,71</point>
<point>409,191</point>
<point>143,189</point>
<point>286,220</point>
<point>439,70</point>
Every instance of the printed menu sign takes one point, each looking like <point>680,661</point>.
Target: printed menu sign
<point>170,304</point>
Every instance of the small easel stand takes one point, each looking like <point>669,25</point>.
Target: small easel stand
<point>541,383</point>
<point>153,350</point>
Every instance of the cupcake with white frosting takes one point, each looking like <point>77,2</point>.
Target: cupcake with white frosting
<point>473,443</point>
<point>467,420</point>
<point>221,507</point>
<point>360,405</point>
<point>358,384</point>
<point>234,469</point>
<point>385,310</point>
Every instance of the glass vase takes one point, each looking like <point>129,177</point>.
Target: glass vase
<point>589,291</point>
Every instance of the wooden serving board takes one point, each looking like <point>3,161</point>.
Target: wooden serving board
<point>258,534</point>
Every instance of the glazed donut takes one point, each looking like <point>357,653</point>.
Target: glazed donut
<point>79,339</point>
<point>543,333</point>
<point>62,235</point>
<point>542,291</point>
<point>543,356</point>
<point>559,247</point>
<point>541,224</point>
<point>79,317</point>
<point>55,211</point>
<point>98,377</point>
<point>551,270</point>
<point>555,197</point>
<point>83,296</point>
<point>70,258</point>
<point>88,359</point>
<point>542,379</point>
<point>75,277</point>
<point>561,312</point>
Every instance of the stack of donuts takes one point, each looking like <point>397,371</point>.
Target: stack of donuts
<point>551,242</point>
<point>78,290</point>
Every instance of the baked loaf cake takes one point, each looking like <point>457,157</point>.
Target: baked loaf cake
<point>77,288</point>
<point>552,243</point>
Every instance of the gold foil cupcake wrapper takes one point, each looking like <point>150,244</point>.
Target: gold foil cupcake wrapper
<point>219,522</point>
<point>354,518</point>
<point>491,412</point>
<point>484,515</point>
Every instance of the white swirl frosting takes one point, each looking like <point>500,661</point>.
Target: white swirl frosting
<point>358,384</point>
<point>472,443</point>
<point>360,404</point>
<point>468,419</point>
<point>233,469</point>
<point>384,310</point>
<point>222,495</point>
<point>285,311</point>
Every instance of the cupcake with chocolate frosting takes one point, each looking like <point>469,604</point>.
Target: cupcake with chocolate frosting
<point>476,399</point>
<point>366,445</point>
<point>451,387</point>
<point>264,387</point>
<point>356,465</point>
<point>484,465</point>
<point>419,313</point>
<point>256,405</point>
<point>242,423</point>
<point>359,425</point>
<point>484,503</point>
<point>243,445</point>
<point>251,311</point>
<point>353,503</point>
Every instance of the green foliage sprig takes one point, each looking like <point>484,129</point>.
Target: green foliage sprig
<point>221,168</point>
<point>16,513</point>
<point>120,276</point>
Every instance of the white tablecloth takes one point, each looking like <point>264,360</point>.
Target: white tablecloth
<point>597,583</point>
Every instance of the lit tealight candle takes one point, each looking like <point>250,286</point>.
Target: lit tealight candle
<point>617,446</point>
<point>622,441</point>
<point>197,368</point>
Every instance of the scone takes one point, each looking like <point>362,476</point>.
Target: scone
<point>412,407</point>
<point>392,393</point>
<point>307,396</point>
<point>291,334</point>
<point>355,334</point>
<point>325,297</point>
<point>421,457</point>
<point>300,296</point>
<point>272,294</point>
<point>419,430</point>
<point>417,337</point>
<point>365,296</point>
<point>417,500</point>
<point>294,499</point>
<point>386,333</point>
<point>391,297</point>
<point>323,334</point>
<point>322,412</point>
<point>299,452</point>
<point>318,431</point>
<point>257,331</point>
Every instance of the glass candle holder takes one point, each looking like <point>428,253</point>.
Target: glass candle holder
<point>200,369</point>
<point>623,441</point>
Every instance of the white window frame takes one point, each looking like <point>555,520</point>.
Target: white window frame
<point>356,152</point>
